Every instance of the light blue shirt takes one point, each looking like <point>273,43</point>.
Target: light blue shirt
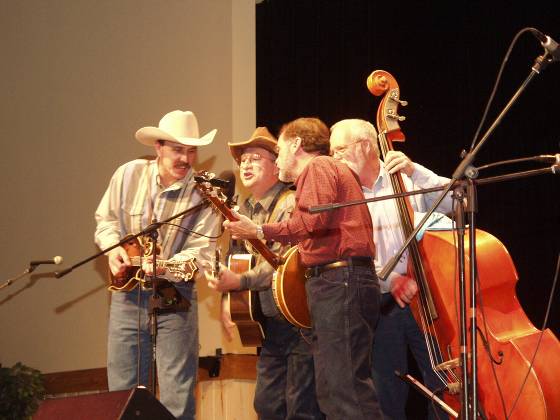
<point>134,197</point>
<point>387,232</point>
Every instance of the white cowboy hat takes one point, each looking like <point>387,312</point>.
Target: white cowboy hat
<point>177,126</point>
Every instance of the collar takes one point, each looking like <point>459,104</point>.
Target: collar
<point>382,178</point>
<point>267,201</point>
<point>305,170</point>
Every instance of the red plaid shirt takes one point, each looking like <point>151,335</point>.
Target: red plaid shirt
<point>331,235</point>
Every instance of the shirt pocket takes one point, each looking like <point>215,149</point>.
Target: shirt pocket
<point>131,218</point>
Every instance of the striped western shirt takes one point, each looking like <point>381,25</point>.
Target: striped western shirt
<point>134,198</point>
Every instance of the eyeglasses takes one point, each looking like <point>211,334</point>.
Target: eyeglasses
<point>342,149</point>
<point>251,158</point>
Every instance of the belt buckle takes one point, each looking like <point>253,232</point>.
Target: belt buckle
<point>146,285</point>
<point>311,272</point>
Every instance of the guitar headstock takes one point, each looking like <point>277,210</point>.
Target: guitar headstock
<point>209,185</point>
<point>381,82</point>
<point>182,269</point>
<point>212,189</point>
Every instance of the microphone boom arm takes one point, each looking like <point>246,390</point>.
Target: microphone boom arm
<point>554,169</point>
<point>145,231</point>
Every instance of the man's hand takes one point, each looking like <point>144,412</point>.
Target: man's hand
<point>118,260</point>
<point>398,161</point>
<point>244,228</point>
<point>403,289</point>
<point>225,281</point>
<point>148,265</point>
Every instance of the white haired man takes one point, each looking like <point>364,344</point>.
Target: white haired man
<point>354,142</point>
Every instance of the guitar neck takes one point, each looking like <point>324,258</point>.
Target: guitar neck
<point>273,259</point>
<point>137,262</point>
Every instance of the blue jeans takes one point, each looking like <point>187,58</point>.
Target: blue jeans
<point>176,350</point>
<point>344,306</point>
<point>285,375</point>
<point>397,331</point>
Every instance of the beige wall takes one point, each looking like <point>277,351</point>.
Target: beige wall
<point>78,78</point>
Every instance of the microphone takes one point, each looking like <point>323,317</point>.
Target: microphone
<point>227,178</point>
<point>215,182</point>
<point>56,260</point>
<point>550,45</point>
<point>554,159</point>
<point>226,182</point>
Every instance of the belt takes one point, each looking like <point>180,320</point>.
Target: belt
<point>149,284</point>
<point>317,270</point>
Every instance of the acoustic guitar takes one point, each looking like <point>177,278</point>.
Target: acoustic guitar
<point>244,305</point>
<point>288,283</point>
<point>134,275</point>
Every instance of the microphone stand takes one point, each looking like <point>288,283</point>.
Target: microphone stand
<point>153,235</point>
<point>157,303</point>
<point>30,269</point>
<point>469,390</point>
<point>459,194</point>
<point>11,280</point>
<point>143,232</point>
<point>465,170</point>
<point>554,169</point>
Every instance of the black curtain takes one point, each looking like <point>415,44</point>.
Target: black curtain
<point>313,59</point>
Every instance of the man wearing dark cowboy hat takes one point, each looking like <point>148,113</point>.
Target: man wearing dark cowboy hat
<point>337,249</point>
<point>285,375</point>
<point>141,191</point>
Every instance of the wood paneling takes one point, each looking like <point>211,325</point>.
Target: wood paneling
<point>228,396</point>
<point>228,399</point>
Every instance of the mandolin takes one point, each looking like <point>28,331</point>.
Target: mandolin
<point>134,275</point>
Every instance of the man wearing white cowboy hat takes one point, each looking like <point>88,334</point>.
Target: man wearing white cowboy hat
<point>285,375</point>
<point>140,192</point>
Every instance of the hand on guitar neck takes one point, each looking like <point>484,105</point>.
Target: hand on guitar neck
<point>242,228</point>
<point>148,266</point>
<point>129,264</point>
<point>397,161</point>
<point>119,261</point>
<point>213,273</point>
<point>220,278</point>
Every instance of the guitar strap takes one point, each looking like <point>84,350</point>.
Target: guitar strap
<point>139,201</point>
<point>277,205</point>
<point>150,198</point>
<point>264,299</point>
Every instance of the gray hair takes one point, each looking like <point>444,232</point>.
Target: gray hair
<point>358,129</point>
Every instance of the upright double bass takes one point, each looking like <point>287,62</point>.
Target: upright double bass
<point>518,365</point>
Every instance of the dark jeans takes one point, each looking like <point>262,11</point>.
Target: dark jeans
<point>344,306</point>
<point>285,374</point>
<point>397,331</point>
